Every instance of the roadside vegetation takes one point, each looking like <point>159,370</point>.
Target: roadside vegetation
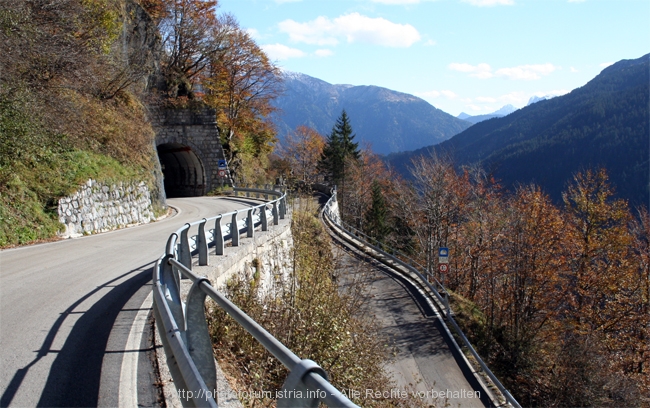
<point>65,116</point>
<point>305,310</point>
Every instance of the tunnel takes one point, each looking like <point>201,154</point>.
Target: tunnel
<point>182,169</point>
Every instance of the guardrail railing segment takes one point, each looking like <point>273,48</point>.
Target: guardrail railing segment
<point>425,277</point>
<point>183,325</point>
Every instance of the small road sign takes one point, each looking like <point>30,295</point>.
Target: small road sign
<point>443,255</point>
<point>222,173</point>
<point>443,268</point>
<point>222,164</point>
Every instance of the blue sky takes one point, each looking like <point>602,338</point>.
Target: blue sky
<point>471,56</point>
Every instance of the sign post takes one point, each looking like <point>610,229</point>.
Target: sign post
<point>443,262</point>
<point>222,167</point>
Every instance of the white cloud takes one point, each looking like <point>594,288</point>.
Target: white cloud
<point>523,72</point>
<point>396,2</point>
<point>282,52</point>
<point>606,64</point>
<point>485,99</point>
<point>448,94</point>
<point>430,43</point>
<point>323,53</point>
<point>437,94</point>
<point>574,70</point>
<point>555,92</point>
<point>515,98</point>
<point>314,32</point>
<point>253,33</point>
<point>478,71</point>
<point>489,3</point>
<point>526,72</point>
<point>354,27</point>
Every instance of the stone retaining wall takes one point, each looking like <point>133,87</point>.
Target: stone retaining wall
<point>96,207</point>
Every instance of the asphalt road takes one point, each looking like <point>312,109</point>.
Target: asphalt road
<point>425,362</point>
<point>67,309</point>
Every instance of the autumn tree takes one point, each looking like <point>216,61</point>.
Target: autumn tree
<point>303,148</point>
<point>637,362</point>
<point>598,243</point>
<point>355,193</point>
<point>433,203</point>
<point>603,286</point>
<point>189,42</point>
<point>241,84</point>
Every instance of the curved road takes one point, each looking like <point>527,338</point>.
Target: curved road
<point>425,363</point>
<point>67,311</point>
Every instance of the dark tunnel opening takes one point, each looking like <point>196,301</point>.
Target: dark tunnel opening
<point>182,170</point>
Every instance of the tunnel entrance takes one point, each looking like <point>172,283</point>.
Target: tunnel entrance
<point>182,169</point>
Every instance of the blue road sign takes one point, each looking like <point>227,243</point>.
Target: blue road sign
<point>443,252</point>
<point>222,164</point>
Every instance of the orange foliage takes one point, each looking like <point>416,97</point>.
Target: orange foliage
<point>563,293</point>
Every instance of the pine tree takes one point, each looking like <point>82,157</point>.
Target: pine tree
<point>344,130</point>
<point>340,147</point>
<point>377,215</point>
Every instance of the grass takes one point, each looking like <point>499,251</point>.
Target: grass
<point>42,161</point>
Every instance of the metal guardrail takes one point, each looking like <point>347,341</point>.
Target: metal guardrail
<point>183,325</point>
<point>426,278</point>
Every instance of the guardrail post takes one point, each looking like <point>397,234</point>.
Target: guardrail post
<point>234,230</point>
<point>185,253</point>
<point>447,309</point>
<point>283,207</point>
<point>169,280</point>
<point>294,387</point>
<point>202,243</point>
<point>265,222</point>
<point>218,237</point>
<point>198,336</point>
<point>250,225</point>
<point>275,213</point>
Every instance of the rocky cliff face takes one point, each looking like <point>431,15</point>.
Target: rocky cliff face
<point>140,45</point>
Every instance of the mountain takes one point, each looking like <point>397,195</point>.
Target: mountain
<point>602,124</point>
<point>389,121</point>
<point>506,110</point>
<point>534,99</point>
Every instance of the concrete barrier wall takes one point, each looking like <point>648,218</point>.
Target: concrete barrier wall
<point>268,252</point>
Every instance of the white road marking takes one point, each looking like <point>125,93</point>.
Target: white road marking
<point>128,390</point>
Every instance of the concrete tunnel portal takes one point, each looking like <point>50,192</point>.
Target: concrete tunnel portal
<point>183,171</point>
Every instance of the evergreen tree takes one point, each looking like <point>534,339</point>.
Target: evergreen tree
<point>377,215</point>
<point>340,146</point>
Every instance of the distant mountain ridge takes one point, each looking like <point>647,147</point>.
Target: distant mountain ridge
<point>604,123</point>
<point>534,99</point>
<point>387,120</point>
<point>504,111</point>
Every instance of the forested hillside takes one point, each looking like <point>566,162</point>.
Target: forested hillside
<point>602,124</point>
